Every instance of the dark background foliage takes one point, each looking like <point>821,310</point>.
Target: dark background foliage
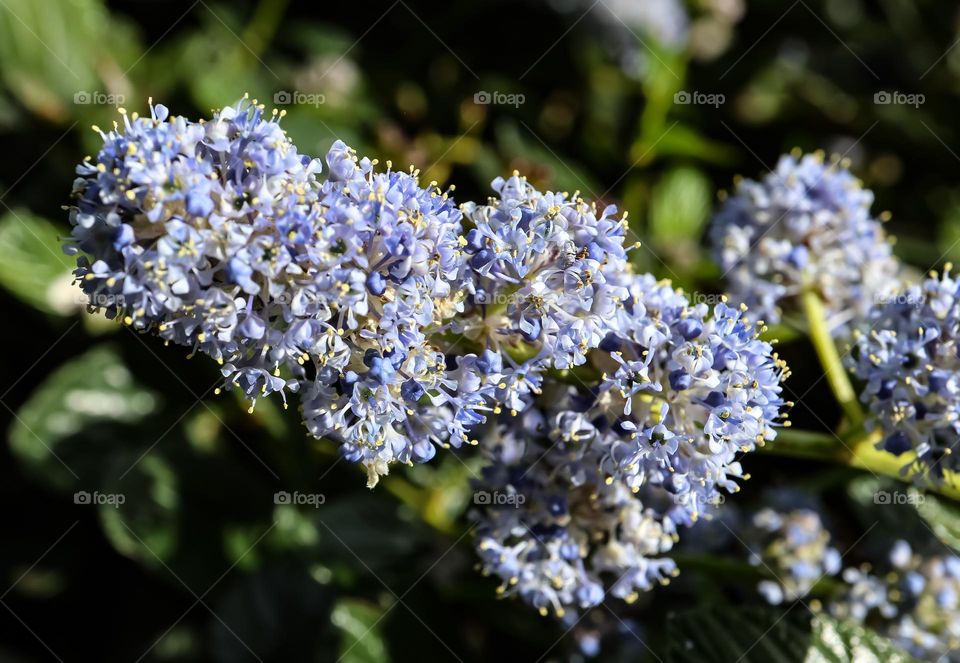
<point>199,563</point>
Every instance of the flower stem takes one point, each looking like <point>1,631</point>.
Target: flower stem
<point>861,453</point>
<point>826,350</point>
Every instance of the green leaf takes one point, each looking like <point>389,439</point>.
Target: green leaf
<point>361,640</point>
<point>48,52</point>
<point>679,206</point>
<point>773,635</point>
<point>59,435</point>
<point>34,267</point>
<point>941,515</point>
<point>144,526</point>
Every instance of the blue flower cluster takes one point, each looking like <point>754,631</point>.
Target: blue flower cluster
<point>916,602</point>
<point>910,598</point>
<point>611,410</point>
<point>907,358</point>
<point>807,224</point>
<point>596,481</point>
<point>795,547</point>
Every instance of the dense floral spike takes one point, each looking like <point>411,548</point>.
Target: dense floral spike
<point>648,450</point>
<point>555,525</point>
<point>357,290</point>
<point>693,390</point>
<point>806,224</point>
<point>541,266</point>
<point>390,271</point>
<point>908,359</point>
<point>219,236</point>
<point>201,233</point>
<point>795,547</point>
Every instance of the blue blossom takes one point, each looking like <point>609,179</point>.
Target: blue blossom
<point>554,529</point>
<point>906,356</point>
<point>541,266</point>
<point>693,390</point>
<point>634,456</point>
<point>793,546</point>
<point>912,599</point>
<point>806,224</point>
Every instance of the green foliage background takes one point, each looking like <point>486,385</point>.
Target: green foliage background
<point>199,563</point>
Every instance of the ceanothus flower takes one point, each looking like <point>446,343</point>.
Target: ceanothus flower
<point>807,224</point>
<point>691,390</point>
<point>553,527</point>
<point>912,599</point>
<point>199,232</point>
<point>795,547</point>
<point>541,266</point>
<point>389,279</point>
<point>219,236</point>
<point>907,358</point>
<point>645,451</point>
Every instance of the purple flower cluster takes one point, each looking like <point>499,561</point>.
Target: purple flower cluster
<point>599,479</point>
<point>612,412</point>
<point>907,358</point>
<point>912,599</point>
<point>807,224</point>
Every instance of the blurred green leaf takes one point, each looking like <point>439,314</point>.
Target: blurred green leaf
<point>763,634</point>
<point>941,515</point>
<point>679,206</point>
<point>35,268</point>
<point>361,640</point>
<point>48,52</point>
<point>144,526</point>
<point>58,435</point>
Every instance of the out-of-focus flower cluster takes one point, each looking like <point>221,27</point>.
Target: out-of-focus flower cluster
<point>912,599</point>
<point>807,224</point>
<point>907,358</point>
<point>795,547</point>
<point>611,410</point>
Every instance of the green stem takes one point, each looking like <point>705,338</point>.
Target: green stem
<point>861,453</point>
<point>826,350</point>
